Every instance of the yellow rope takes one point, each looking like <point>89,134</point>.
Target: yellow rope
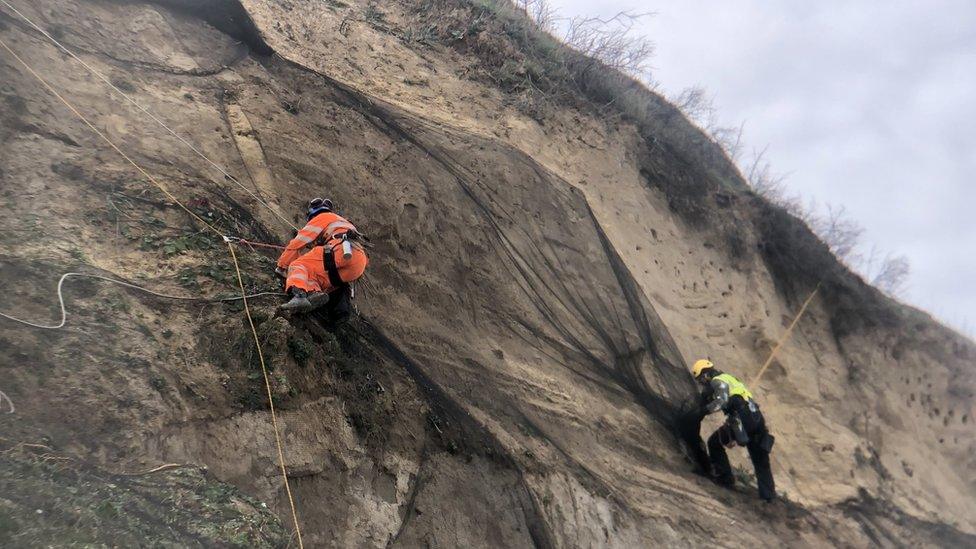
<point>145,111</point>
<point>267,385</point>
<point>107,140</point>
<point>785,336</point>
<point>230,246</point>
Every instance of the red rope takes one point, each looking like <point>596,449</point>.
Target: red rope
<point>260,244</point>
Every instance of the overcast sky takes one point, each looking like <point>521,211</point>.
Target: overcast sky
<point>866,104</point>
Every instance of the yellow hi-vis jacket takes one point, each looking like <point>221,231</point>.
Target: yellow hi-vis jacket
<point>724,387</point>
<point>736,387</point>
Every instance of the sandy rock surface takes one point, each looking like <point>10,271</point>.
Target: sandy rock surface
<point>518,372</point>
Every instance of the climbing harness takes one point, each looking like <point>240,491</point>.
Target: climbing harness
<point>346,243</point>
<point>328,258</point>
<point>330,231</point>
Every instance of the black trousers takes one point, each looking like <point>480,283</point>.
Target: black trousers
<point>338,309</point>
<point>755,426</point>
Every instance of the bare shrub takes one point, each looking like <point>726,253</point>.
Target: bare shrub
<point>835,227</point>
<point>771,185</point>
<point>695,103</point>
<point>729,138</point>
<point>966,328</point>
<point>892,276</point>
<point>839,231</point>
<point>603,65</point>
<point>614,42</point>
<point>539,12</point>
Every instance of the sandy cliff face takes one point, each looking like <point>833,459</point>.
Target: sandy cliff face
<point>518,375</point>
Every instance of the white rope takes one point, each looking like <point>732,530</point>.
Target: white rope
<point>64,313</point>
<point>104,79</point>
<point>3,397</point>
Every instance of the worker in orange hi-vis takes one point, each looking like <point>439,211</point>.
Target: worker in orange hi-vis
<point>335,260</point>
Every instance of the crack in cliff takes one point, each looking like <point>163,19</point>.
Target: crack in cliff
<point>411,504</point>
<point>473,436</point>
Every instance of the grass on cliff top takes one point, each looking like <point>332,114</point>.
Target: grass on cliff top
<point>540,72</point>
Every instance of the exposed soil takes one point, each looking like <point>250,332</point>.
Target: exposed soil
<point>516,373</point>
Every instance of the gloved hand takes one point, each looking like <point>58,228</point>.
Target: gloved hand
<point>283,273</point>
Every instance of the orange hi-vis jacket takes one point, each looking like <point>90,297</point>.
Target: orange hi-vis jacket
<point>322,228</point>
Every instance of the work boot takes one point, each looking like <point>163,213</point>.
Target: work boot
<point>299,302</point>
<point>725,481</point>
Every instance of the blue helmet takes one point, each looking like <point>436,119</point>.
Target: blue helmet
<point>319,205</point>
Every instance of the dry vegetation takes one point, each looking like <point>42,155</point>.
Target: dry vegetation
<point>596,65</point>
<point>599,66</point>
<point>615,43</point>
<point>471,403</point>
<point>835,227</point>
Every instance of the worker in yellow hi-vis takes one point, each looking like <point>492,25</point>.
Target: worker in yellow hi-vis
<point>744,426</point>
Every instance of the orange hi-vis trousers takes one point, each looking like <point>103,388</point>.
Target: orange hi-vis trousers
<point>308,272</point>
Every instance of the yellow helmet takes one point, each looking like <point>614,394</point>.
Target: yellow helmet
<point>701,366</point>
